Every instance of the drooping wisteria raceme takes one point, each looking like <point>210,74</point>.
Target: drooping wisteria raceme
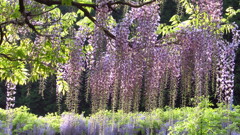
<point>196,62</point>
<point>102,63</point>
<point>225,70</point>
<point>68,76</point>
<point>223,61</point>
<point>136,47</point>
<point>11,91</point>
<point>74,69</point>
<point>121,76</point>
<point>146,68</point>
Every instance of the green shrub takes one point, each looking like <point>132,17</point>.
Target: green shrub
<point>201,119</point>
<point>204,120</point>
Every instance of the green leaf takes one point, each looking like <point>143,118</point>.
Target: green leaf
<point>67,2</point>
<point>174,18</point>
<point>63,86</point>
<point>189,10</point>
<point>16,13</point>
<point>88,48</point>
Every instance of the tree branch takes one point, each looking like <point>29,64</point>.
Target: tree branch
<point>94,6</point>
<point>2,35</point>
<point>75,4</point>
<point>44,12</point>
<point>12,22</point>
<point>22,8</point>
<point>22,11</point>
<point>81,7</point>
<point>23,60</point>
<point>6,38</point>
<point>9,57</point>
<point>130,4</point>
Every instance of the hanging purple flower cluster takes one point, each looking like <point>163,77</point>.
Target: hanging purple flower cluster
<point>135,66</point>
<point>197,55</point>
<point>11,91</point>
<point>101,80</point>
<point>225,53</point>
<point>102,74</point>
<point>74,68</point>
<point>138,66</point>
<point>121,66</point>
<point>225,68</point>
<point>137,53</point>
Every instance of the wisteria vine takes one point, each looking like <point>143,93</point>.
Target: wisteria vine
<point>130,66</point>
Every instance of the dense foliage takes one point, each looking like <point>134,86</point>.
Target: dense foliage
<point>199,120</point>
<point>128,62</point>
